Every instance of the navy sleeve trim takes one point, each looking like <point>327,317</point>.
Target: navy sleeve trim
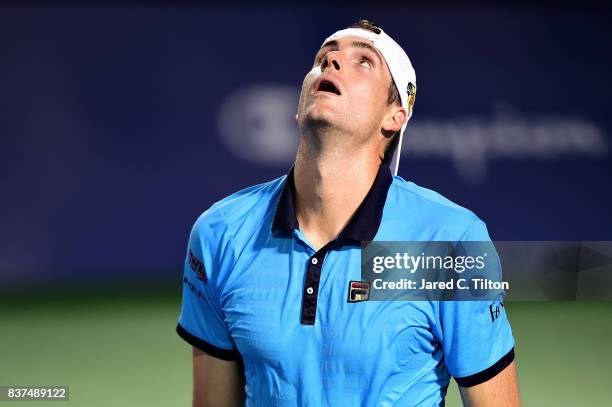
<point>204,346</point>
<point>489,373</point>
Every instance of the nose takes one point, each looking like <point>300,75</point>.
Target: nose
<point>332,61</point>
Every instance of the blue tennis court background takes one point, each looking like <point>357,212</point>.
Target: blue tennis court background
<point>120,124</point>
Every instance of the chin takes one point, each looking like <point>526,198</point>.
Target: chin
<point>319,112</point>
<point>314,124</point>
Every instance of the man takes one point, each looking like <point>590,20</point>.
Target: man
<point>268,269</point>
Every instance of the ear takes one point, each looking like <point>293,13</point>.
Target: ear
<point>394,119</point>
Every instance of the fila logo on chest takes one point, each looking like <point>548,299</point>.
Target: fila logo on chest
<point>358,291</point>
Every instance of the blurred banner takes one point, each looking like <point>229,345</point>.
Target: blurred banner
<point>120,125</point>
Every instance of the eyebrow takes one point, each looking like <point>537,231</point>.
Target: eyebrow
<point>361,44</point>
<point>356,44</point>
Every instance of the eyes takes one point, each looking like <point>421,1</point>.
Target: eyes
<point>362,60</point>
<point>365,62</point>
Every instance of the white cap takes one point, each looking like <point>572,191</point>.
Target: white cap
<point>401,70</point>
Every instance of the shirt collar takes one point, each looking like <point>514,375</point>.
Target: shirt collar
<point>363,225</point>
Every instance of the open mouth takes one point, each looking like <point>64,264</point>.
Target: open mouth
<point>327,86</point>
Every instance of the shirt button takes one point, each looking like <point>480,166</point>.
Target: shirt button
<point>310,290</point>
<point>314,260</point>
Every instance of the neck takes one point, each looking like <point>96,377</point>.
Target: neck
<point>330,184</point>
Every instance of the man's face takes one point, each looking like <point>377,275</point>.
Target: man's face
<point>347,88</point>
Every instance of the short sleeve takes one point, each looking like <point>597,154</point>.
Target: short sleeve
<point>476,336</point>
<point>208,259</point>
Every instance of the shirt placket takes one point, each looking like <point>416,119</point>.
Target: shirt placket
<point>310,294</point>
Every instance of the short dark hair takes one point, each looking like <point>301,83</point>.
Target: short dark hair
<point>393,95</point>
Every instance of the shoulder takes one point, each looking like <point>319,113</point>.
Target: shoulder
<point>431,211</point>
<point>247,205</point>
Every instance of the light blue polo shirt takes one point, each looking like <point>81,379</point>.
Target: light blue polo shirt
<point>256,291</point>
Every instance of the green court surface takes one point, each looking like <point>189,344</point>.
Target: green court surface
<point>117,350</point>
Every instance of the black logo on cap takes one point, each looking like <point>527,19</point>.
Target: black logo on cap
<point>411,88</point>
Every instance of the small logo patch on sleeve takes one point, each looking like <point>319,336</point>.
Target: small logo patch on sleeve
<point>197,266</point>
<point>358,291</point>
<point>495,310</point>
